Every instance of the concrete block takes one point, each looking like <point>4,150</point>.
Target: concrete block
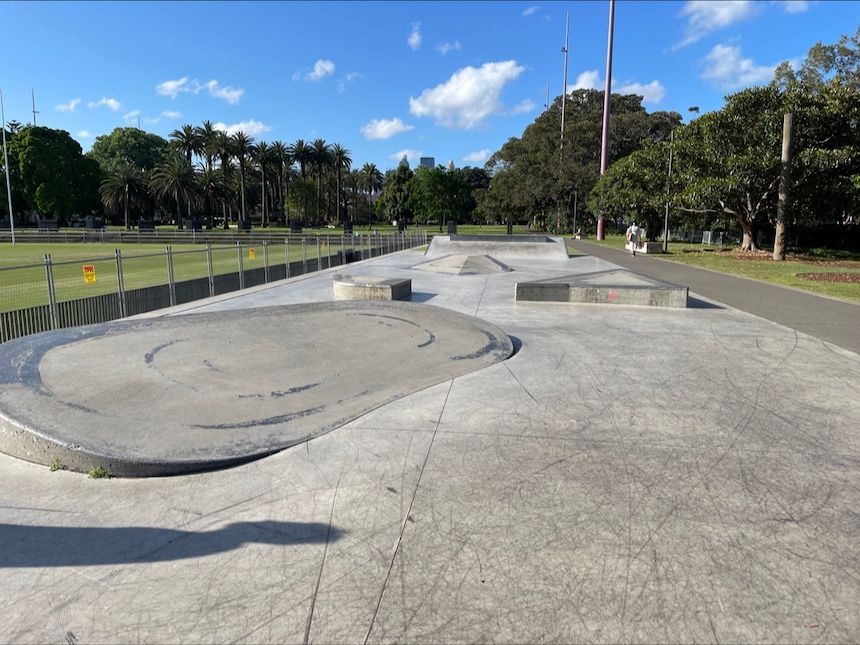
<point>349,287</point>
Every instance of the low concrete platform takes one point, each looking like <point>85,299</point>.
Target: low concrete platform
<point>175,395</point>
<point>540,247</point>
<point>612,287</point>
<point>363,287</point>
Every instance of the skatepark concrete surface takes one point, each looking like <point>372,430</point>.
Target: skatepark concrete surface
<point>630,474</point>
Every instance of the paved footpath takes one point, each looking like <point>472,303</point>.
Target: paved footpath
<point>834,321</point>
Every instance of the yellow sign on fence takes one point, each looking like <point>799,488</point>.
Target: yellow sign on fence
<point>89,274</point>
<point>252,253</point>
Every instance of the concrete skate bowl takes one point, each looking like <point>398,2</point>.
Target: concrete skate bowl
<point>521,247</point>
<point>464,265</point>
<point>196,392</point>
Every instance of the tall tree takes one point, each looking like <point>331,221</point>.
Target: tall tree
<point>342,161</point>
<point>129,145</point>
<point>124,185</point>
<point>206,136</point>
<point>186,141</point>
<point>302,154</point>
<point>262,155</point>
<point>223,149</point>
<point>322,160</point>
<point>282,160</point>
<point>242,147</point>
<point>175,179</point>
<point>372,181</point>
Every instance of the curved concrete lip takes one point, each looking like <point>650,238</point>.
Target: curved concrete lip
<point>188,393</point>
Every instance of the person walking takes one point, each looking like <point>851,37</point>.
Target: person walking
<point>633,235</point>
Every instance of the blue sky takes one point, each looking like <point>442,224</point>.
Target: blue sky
<point>451,80</point>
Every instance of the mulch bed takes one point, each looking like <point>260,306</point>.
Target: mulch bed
<point>832,277</point>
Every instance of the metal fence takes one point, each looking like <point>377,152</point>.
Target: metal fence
<point>52,295</point>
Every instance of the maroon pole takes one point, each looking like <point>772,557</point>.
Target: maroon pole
<point>604,141</point>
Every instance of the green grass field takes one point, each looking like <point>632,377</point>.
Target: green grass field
<point>763,267</point>
<point>23,277</point>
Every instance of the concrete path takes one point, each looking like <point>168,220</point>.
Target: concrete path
<point>835,321</point>
<point>631,474</point>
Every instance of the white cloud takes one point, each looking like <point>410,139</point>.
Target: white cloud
<point>151,120</point>
<point>230,94</point>
<point>444,48</point>
<point>413,156</point>
<point>171,114</point>
<point>531,10</point>
<point>414,39</point>
<point>68,107</point>
<point>346,79</point>
<point>728,69</point>
<point>795,6</point>
<point>587,80</point>
<point>250,127</point>
<point>84,134</point>
<point>112,103</point>
<point>183,85</point>
<point>467,98</point>
<point>652,93</point>
<point>526,105</point>
<point>321,69</point>
<point>705,16</point>
<point>479,156</point>
<point>384,128</point>
<point>173,88</point>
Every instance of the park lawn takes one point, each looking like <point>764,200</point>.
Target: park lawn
<point>761,266</point>
<point>23,280</point>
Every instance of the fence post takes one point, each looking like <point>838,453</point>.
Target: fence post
<point>211,271</point>
<point>304,255</point>
<point>266,261</point>
<point>171,282</point>
<point>328,251</point>
<point>52,295</point>
<point>319,257</point>
<point>352,244</point>
<point>287,254</point>
<point>241,265</point>
<point>119,283</point>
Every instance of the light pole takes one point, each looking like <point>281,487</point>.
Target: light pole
<point>6,162</point>
<point>604,141</point>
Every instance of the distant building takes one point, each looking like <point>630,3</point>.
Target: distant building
<point>450,164</point>
<point>427,162</point>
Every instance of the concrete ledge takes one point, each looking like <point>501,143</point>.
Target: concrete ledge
<point>617,287</point>
<point>352,287</point>
<point>539,247</point>
<point>647,247</point>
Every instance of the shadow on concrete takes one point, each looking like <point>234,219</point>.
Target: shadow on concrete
<point>64,546</point>
<point>421,296</point>
<point>517,343</point>
<point>696,303</point>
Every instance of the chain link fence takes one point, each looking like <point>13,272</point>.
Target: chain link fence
<point>57,294</point>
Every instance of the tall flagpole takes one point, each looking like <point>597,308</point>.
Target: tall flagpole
<point>604,141</point>
<point>6,165</point>
<point>563,101</point>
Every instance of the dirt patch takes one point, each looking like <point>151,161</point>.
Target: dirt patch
<point>831,277</point>
<point>764,256</point>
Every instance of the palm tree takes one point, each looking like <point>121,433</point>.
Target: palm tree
<point>373,180</point>
<point>262,155</point>
<point>206,135</point>
<point>214,188</point>
<point>242,146</point>
<point>222,147</point>
<point>321,160</point>
<point>341,161</point>
<point>125,183</point>
<point>301,153</point>
<point>186,141</point>
<point>281,157</point>
<point>175,178</point>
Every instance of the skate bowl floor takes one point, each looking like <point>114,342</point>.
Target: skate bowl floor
<point>202,391</point>
<point>523,247</point>
<point>464,265</point>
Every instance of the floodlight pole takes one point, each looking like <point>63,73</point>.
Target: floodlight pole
<point>6,165</point>
<point>604,141</point>
<point>563,101</point>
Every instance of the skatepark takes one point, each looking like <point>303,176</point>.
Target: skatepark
<point>509,453</point>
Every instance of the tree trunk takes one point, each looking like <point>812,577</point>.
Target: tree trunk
<point>784,179</point>
<point>748,243</point>
<point>126,208</point>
